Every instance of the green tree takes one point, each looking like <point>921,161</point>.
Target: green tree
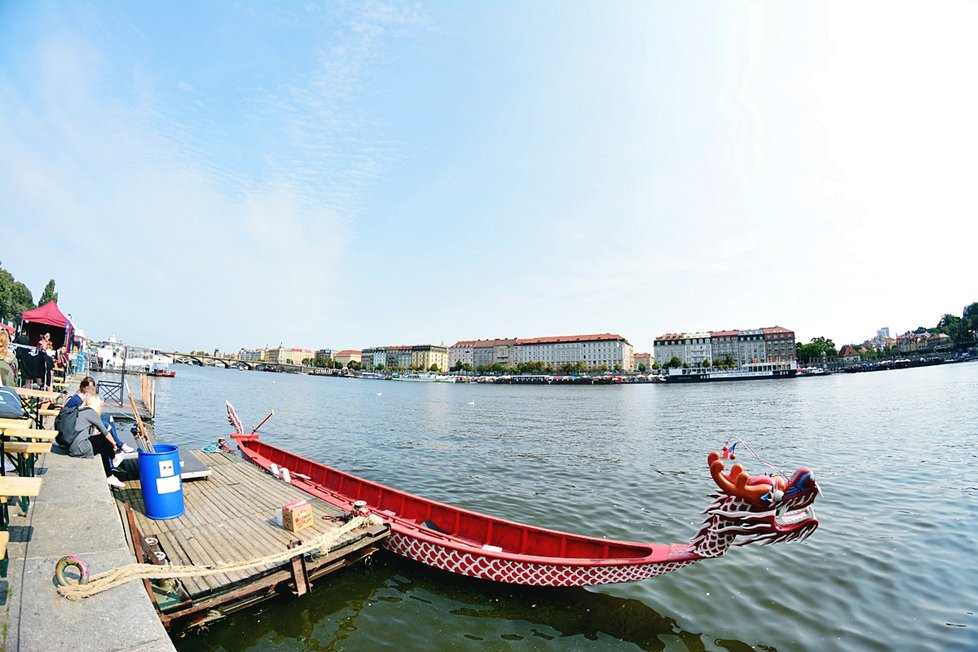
<point>970,317</point>
<point>641,368</point>
<point>434,368</point>
<point>48,294</point>
<point>674,363</point>
<point>15,297</point>
<point>813,352</point>
<point>952,326</point>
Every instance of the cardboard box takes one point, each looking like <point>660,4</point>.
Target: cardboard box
<point>296,515</point>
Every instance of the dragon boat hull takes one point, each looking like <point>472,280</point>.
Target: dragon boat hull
<point>477,545</point>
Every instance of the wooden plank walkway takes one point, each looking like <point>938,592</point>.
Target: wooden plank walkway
<point>230,517</point>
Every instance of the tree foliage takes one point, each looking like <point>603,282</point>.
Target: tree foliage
<point>49,294</point>
<point>15,297</point>
<point>814,351</point>
<point>961,330</point>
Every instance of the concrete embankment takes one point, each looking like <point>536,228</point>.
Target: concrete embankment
<point>74,514</point>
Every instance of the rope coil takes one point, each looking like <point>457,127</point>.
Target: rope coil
<point>137,571</point>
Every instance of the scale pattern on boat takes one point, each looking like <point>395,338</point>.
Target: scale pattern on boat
<point>514,572</point>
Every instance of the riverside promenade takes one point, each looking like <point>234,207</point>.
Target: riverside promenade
<point>74,514</point>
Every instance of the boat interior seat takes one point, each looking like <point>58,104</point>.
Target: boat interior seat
<point>431,526</point>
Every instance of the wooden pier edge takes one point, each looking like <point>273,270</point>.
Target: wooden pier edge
<point>277,582</point>
<point>194,539</point>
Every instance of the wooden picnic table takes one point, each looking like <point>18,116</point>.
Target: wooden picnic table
<point>37,442</point>
<point>33,399</point>
<point>40,394</point>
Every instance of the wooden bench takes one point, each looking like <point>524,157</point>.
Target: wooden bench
<point>26,452</point>
<point>27,447</point>
<point>16,423</point>
<point>28,433</point>
<point>16,486</point>
<point>23,488</point>
<point>49,412</point>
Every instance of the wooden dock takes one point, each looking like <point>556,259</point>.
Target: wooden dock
<point>231,517</point>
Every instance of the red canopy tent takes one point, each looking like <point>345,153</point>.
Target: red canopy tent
<point>46,319</point>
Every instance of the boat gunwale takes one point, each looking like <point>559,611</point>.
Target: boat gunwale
<point>655,553</point>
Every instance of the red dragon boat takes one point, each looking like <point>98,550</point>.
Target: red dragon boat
<point>754,509</point>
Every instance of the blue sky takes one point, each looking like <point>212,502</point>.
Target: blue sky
<point>234,174</point>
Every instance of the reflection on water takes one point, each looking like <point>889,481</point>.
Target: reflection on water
<point>892,563</point>
<point>382,606</point>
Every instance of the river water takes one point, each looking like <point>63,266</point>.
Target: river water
<point>894,564</point>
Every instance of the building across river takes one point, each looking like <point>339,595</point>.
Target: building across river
<point>736,349</point>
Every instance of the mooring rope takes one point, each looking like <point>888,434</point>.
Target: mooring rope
<point>118,576</point>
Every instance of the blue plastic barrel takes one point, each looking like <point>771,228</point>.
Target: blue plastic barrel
<point>160,483</point>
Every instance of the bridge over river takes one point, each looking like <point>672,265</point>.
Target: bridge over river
<point>203,360</point>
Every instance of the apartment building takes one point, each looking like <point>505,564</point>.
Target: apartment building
<point>699,348</point>
<point>744,347</point>
<point>253,355</point>
<point>324,354</point>
<point>346,356</point>
<point>723,345</point>
<point>287,355</point>
<point>426,356</point>
<point>373,358</point>
<point>779,344</point>
<point>461,352</point>
<point>605,350</point>
<point>751,347</point>
<point>669,346</point>
<point>487,353</point>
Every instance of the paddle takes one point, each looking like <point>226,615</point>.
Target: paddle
<point>141,429</point>
<point>270,415</point>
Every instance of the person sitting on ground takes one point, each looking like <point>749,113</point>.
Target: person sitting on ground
<point>101,444</point>
<point>85,387</point>
<point>8,363</point>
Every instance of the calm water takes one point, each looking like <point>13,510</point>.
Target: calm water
<point>893,564</point>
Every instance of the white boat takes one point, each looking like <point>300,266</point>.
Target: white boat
<point>423,377</point>
<point>115,355</point>
<point>753,371</point>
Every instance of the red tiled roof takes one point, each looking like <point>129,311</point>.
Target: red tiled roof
<point>776,330</point>
<point>672,336</point>
<point>723,333</point>
<point>348,352</point>
<point>604,337</point>
<point>485,344</point>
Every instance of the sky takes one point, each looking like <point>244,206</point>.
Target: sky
<point>226,175</point>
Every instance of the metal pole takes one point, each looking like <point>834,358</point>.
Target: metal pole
<point>125,356</point>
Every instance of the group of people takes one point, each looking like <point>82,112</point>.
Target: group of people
<point>104,441</point>
<point>36,365</point>
<point>90,432</point>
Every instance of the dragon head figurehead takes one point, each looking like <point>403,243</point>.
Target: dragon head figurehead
<point>755,508</point>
